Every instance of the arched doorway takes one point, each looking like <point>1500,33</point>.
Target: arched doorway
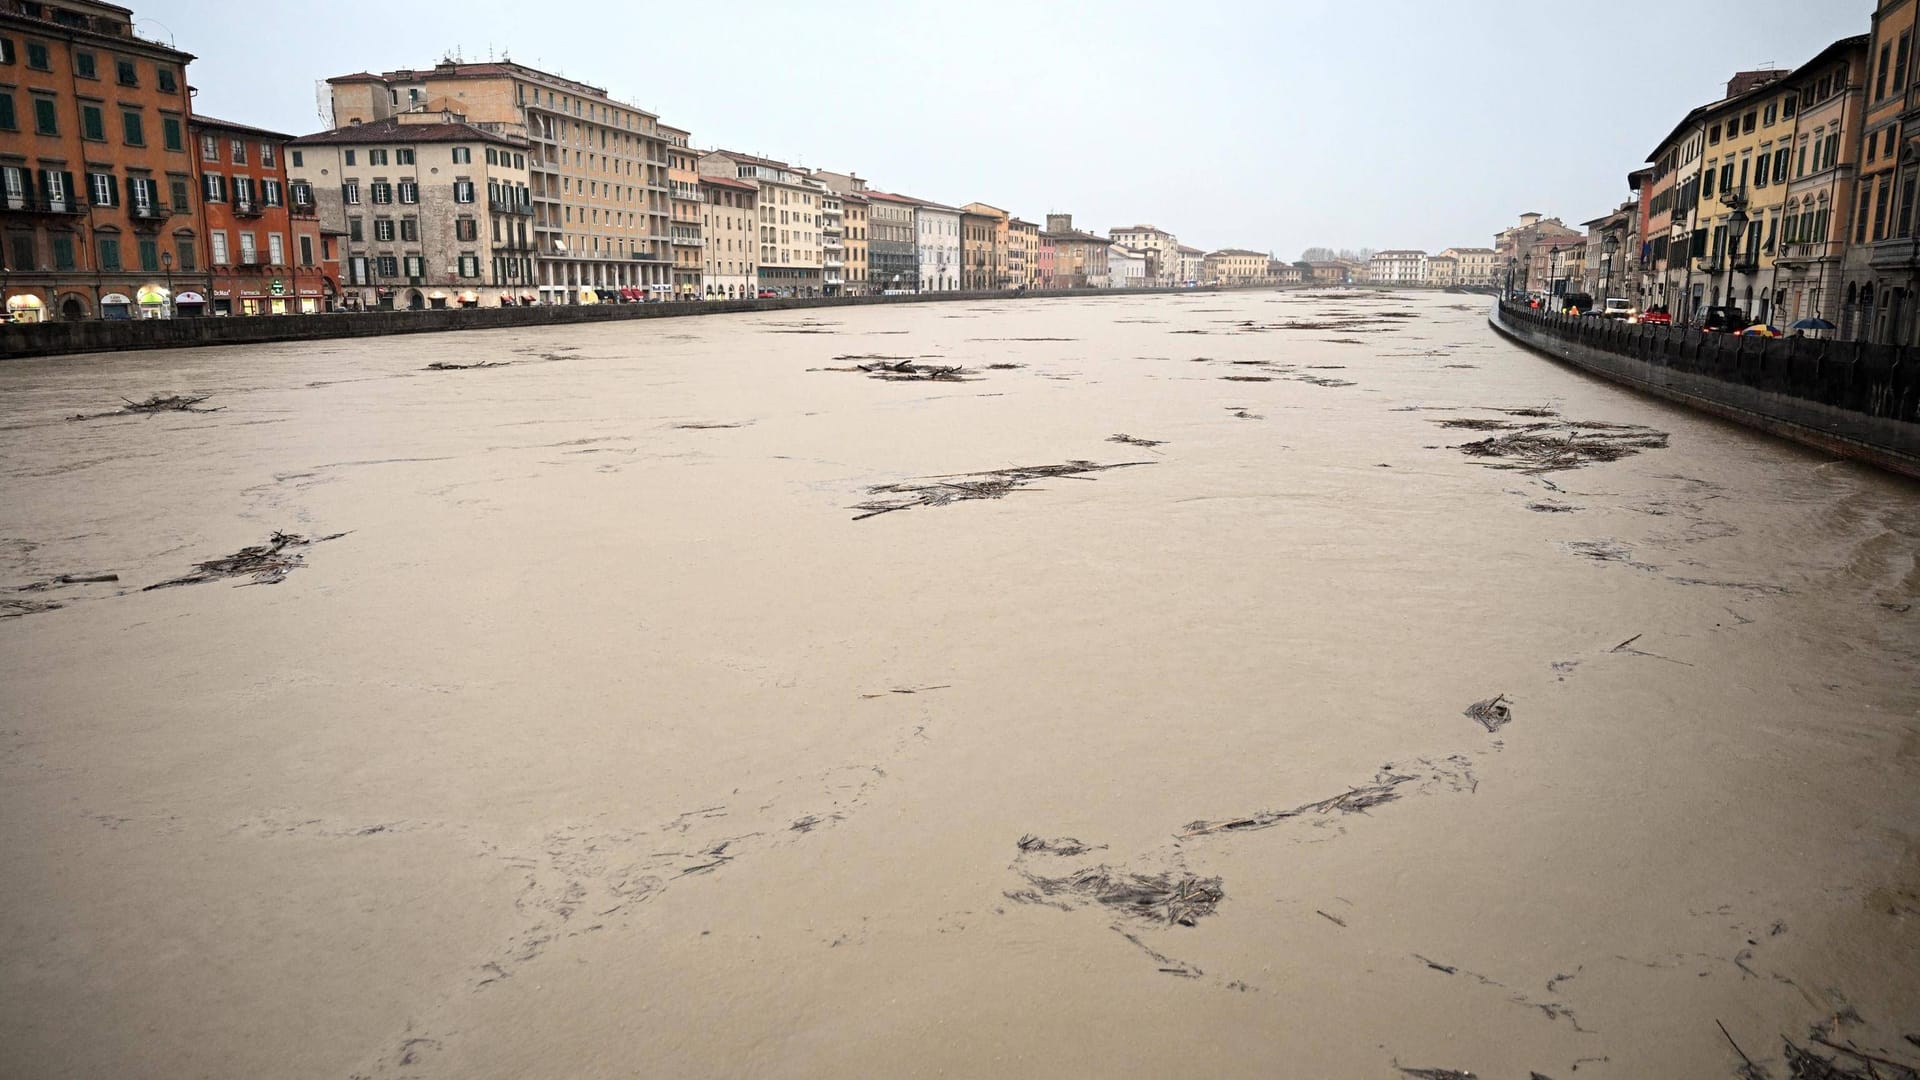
<point>73,307</point>
<point>415,301</point>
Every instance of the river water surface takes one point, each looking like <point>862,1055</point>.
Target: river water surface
<point>605,741</point>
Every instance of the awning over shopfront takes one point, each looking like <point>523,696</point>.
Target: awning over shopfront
<point>189,298</point>
<point>116,305</point>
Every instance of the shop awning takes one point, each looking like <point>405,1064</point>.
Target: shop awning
<point>115,298</point>
<point>189,298</point>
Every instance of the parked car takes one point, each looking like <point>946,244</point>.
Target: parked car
<point>1655,316</point>
<point>1616,308</point>
<point>1722,320</point>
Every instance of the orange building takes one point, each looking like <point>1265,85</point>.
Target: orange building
<point>96,174</point>
<point>264,249</point>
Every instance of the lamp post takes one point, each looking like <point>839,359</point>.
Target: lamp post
<point>166,263</point>
<point>1736,230</point>
<point>1609,244</point>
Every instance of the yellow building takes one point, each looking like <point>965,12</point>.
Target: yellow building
<point>1023,254</point>
<point>1237,267</point>
<point>1743,189</point>
<point>683,176</point>
<point>983,247</point>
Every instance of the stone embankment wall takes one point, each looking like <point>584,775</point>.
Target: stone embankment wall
<point>1849,398</point>
<point>101,335</point>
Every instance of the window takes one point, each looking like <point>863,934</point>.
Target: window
<point>1706,182</point>
<point>62,252</point>
<point>209,148</point>
<point>410,230</point>
<point>276,249</point>
<point>416,267</point>
<point>470,266</point>
<point>302,193</point>
<point>376,157</point>
<point>1726,177</point>
<point>143,196</point>
<point>103,189</point>
<point>403,157</point>
<point>356,230</point>
<point>382,192</point>
<point>44,120</point>
<point>306,251</point>
<point>92,124</point>
<point>37,58</point>
<point>1772,114</point>
<point>83,65</point>
<point>130,126</point>
<point>1880,80</point>
<point>1880,208</point>
<point>409,191</point>
<point>350,193</point>
<point>299,159</point>
<point>127,73</point>
<point>8,122</point>
<point>266,155</point>
<point>383,230</point>
<point>463,155</point>
<point>180,186</point>
<point>249,256</point>
<point>466,228</point>
<point>215,187</point>
<point>1786,107</point>
<point>6,50</point>
<point>389,266</point>
<point>218,238</point>
<point>270,192</point>
<point>1900,66</point>
<point>109,252</point>
<point>164,76</point>
<point>149,253</point>
<point>172,133</point>
<point>1781,160</point>
<point>22,255</point>
<point>463,191</point>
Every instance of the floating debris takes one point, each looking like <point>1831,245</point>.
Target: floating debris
<point>1005,365</point>
<point>266,564</point>
<point>13,609</point>
<point>1352,801</point>
<point>903,369</point>
<point>1131,440</point>
<point>1248,378</point>
<point>443,365</point>
<point>153,405</point>
<point>1553,447</point>
<point>1551,508</point>
<point>712,426</point>
<point>1175,899</point>
<point>1492,714</point>
<point>1474,423</point>
<point>1059,845</point>
<point>960,487</point>
<point>1436,1074</point>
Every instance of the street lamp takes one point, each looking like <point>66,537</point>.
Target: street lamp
<point>1609,244</point>
<point>1736,230</point>
<point>166,262</point>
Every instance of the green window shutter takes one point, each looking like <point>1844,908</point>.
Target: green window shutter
<point>91,124</point>
<point>7,119</point>
<point>73,194</point>
<point>113,189</point>
<point>45,120</point>
<point>171,126</point>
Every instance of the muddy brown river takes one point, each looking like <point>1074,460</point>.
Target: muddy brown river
<point>677,699</point>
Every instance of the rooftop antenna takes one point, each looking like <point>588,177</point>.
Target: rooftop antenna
<point>161,25</point>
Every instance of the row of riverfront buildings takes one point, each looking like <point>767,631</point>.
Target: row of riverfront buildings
<point>462,184</point>
<point>1790,197</point>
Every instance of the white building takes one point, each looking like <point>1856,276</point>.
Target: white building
<point>1398,268</point>
<point>1159,245</point>
<point>937,233</point>
<point>1126,268</point>
<point>1193,264</point>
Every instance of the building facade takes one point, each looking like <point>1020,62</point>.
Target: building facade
<point>730,235</point>
<point>1192,266</point>
<point>791,259</point>
<point>1887,271</point>
<point>1023,254</point>
<point>433,210</point>
<point>1237,267</point>
<point>892,246</point>
<point>1045,262</point>
<point>1473,267</point>
<point>602,204</point>
<point>1398,267</point>
<point>1079,259</point>
<point>1810,267</point>
<point>1160,247</point>
<point>936,230</point>
<point>1443,271</point>
<point>265,253</point>
<point>1127,268</point>
<point>983,247</point>
<point>97,177</point>
<point>858,210</point>
<point>685,210</point>
<point>833,241</point>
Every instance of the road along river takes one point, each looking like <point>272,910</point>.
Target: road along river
<point>680,699</point>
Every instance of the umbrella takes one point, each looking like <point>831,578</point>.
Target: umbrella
<point>1760,330</point>
<point>1813,324</point>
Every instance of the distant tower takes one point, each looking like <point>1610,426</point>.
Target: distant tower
<point>1059,222</point>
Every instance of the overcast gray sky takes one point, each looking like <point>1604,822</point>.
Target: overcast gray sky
<point>1271,125</point>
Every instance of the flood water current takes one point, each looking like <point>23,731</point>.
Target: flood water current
<point>675,698</point>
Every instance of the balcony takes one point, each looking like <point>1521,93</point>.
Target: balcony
<point>33,204</point>
<point>1799,254</point>
<point>304,208</point>
<point>507,206</point>
<point>1746,264</point>
<point>648,256</point>
<point>1711,266</point>
<point>149,212</point>
<point>247,208</point>
<point>689,241</point>
<point>832,264</point>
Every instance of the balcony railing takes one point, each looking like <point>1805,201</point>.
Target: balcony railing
<point>508,206</point>
<point>1794,253</point>
<point>689,241</point>
<point>247,208</point>
<point>648,256</point>
<point>832,263</point>
<point>149,212</point>
<point>33,204</point>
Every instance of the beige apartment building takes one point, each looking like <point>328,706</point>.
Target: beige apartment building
<point>683,177</point>
<point>791,254</point>
<point>1193,265</point>
<point>833,241</point>
<point>433,210</point>
<point>1160,247</point>
<point>1473,267</point>
<point>983,246</point>
<point>602,204</point>
<point>1079,258</point>
<point>1023,254</point>
<point>730,238</point>
<point>1236,266</point>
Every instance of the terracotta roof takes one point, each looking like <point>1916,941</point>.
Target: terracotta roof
<point>199,121</point>
<point>1240,251</point>
<point>358,76</point>
<point>751,159</point>
<point>888,196</point>
<point>728,181</point>
<point>393,131</point>
<point>1185,250</point>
